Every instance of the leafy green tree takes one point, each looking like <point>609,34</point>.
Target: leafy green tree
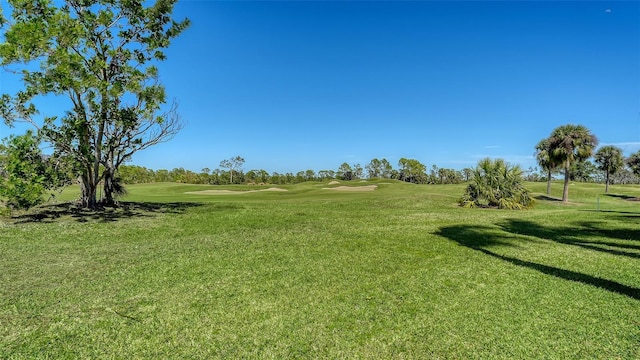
<point>326,174</point>
<point>100,56</point>
<point>633,162</point>
<point>358,172</point>
<point>609,160</point>
<point>570,144</point>
<point>377,168</point>
<point>25,175</point>
<point>309,175</point>
<point>583,171</point>
<point>546,162</point>
<point>495,183</point>
<point>233,164</point>
<point>467,172</point>
<point>373,168</point>
<point>345,172</point>
<point>412,170</point>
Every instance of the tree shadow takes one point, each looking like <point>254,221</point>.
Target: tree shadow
<point>624,197</point>
<point>481,238</point>
<point>580,233</point>
<point>547,198</point>
<point>124,210</point>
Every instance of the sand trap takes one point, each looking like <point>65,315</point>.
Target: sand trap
<point>231,192</point>
<point>353,188</point>
<point>334,182</point>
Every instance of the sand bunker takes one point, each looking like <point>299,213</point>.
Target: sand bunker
<point>334,182</point>
<point>231,192</point>
<point>353,188</point>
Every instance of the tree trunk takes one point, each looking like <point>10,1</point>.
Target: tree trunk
<point>606,186</point>
<point>565,191</point>
<point>549,182</point>
<point>88,192</point>
<point>108,198</point>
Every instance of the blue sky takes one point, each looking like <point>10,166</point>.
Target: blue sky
<point>296,85</point>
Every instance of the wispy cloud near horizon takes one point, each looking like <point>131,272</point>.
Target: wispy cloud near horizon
<point>629,146</point>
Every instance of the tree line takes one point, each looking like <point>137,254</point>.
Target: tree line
<point>230,171</point>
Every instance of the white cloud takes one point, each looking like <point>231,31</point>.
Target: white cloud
<point>629,147</point>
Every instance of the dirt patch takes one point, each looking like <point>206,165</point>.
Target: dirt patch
<point>231,192</point>
<point>353,188</point>
<point>334,182</point>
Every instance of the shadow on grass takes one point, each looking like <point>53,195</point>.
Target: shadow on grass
<point>546,198</point>
<point>483,238</point>
<point>587,235</point>
<point>123,210</point>
<point>624,197</point>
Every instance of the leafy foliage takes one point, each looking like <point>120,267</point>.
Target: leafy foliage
<point>25,174</point>
<point>99,55</point>
<point>496,183</point>
<point>412,170</point>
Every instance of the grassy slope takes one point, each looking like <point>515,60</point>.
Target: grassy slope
<point>399,272</point>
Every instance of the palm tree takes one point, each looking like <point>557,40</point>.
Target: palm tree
<point>569,144</point>
<point>545,161</point>
<point>496,183</point>
<point>633,161</point>
<point>609,160</point>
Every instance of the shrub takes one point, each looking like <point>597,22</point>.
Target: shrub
<point>496,183</point>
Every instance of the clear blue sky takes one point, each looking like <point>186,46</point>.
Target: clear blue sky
<point>296,85</point>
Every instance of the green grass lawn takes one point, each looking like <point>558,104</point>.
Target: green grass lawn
<point>399,272</point>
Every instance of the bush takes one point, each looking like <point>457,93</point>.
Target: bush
<point>23,172</point>
<point>495,183</point>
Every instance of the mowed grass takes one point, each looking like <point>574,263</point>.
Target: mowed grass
<point>400,272</point>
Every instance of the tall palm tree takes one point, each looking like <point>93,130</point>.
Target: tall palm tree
<point>569,144</point>
<point>609,160</point>
<point>545,161</point>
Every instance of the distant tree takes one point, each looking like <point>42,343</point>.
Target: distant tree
<point>467,172</point>
<point>412,170</point>
<point>345,172</point>
<point>309,175</point>
<point>326,174</point>
<point>358,172</point>
<point>233,164</point>
<point>449,176</point>
<point>163,175</point>
<point>569,144</point>
<point>495,183</point>
<point>633,162</point>
<point>609,160</point>
<point>583,171</point>
<point>546,162</point>
<point>374,168</point>
<point>625,176</point>
<point>532,174</point>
